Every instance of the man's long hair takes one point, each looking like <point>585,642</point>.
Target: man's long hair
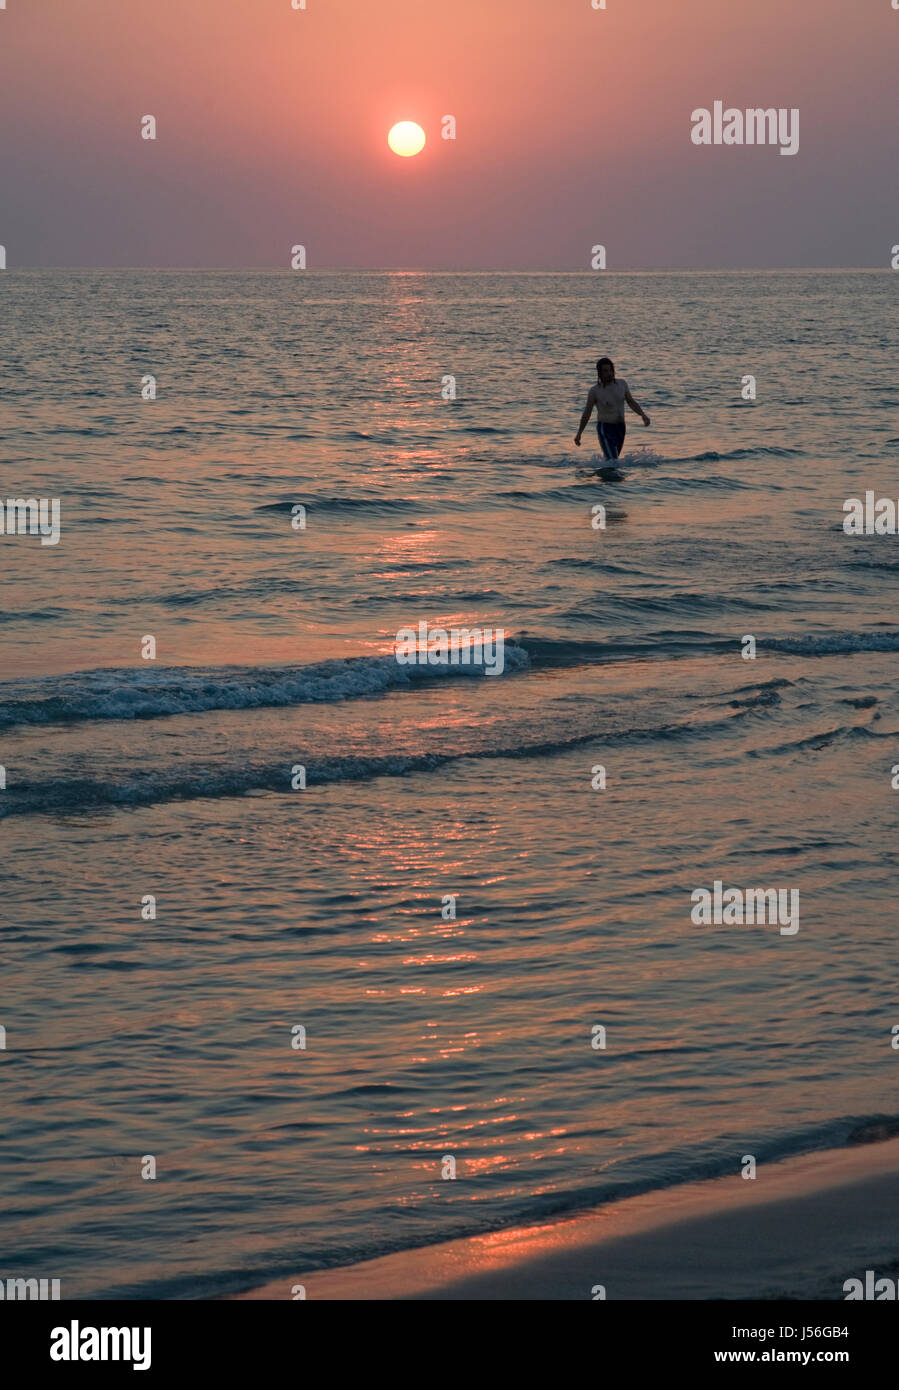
<point>605,362</point>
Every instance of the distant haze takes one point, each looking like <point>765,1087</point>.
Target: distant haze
<point>573,129</point>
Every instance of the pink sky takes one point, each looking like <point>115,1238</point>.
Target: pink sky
<point>573,128</point>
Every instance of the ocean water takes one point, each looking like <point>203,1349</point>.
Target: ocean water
<point>430,1036</point>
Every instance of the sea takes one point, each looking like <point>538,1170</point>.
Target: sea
<point>310,955</point>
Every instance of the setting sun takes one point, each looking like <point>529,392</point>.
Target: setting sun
<point>406,138</point>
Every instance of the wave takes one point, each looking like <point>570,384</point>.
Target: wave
<point>345,504</point>
<point>833,643</point>
<point>554,652</point>
<point>113,693</point>
<point>34,615</point>
<point>670,644</point>
<point>426,503</point>
<point>713,456</point>
<point>565,490</point>
<point>264,586</point>
<point>891,566</point>
<point>199,782</point>
<point>648,457</point>
<point>816,743</point>
<point>173,690</point>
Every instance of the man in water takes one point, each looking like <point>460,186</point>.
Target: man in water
<point>608,396</point>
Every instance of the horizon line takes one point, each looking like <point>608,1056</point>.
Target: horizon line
<point>482,270</point>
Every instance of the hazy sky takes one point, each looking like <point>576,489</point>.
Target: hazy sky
<point>573,129</point>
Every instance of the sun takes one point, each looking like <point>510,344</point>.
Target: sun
<point>406,138</point>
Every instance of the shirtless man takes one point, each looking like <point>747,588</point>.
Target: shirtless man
<point>608,396</point>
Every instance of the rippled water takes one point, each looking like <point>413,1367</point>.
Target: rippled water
<point>322,906</point>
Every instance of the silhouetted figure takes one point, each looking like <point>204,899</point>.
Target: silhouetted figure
<point>608,398</point>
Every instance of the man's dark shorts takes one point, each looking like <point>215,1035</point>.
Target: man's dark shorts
<point>611,438</point>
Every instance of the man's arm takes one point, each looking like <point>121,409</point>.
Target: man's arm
<point>585,417</point>
<point>638,410</point>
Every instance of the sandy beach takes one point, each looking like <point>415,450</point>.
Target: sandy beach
<point>798,1230</point>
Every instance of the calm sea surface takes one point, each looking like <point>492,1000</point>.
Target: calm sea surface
<point>426,1037</point>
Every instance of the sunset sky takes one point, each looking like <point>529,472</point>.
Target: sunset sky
<point>573,128</point>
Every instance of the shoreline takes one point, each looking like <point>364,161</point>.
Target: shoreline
<point>799,1229</point>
